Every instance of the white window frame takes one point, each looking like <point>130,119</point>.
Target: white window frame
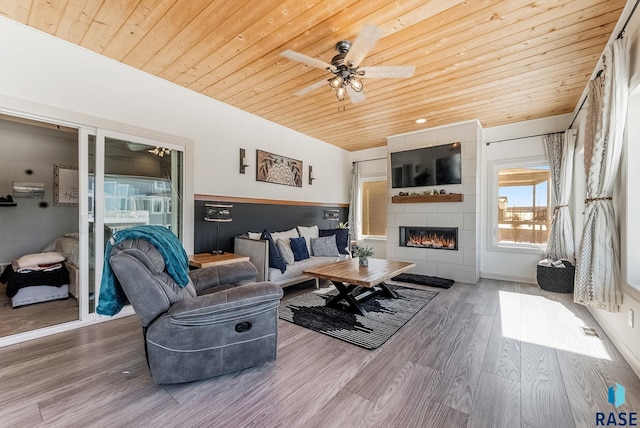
<point>492,207</point>
<point>630,209</point>
<point>361,211</point>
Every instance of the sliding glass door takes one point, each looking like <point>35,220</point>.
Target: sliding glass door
<point>131,181</point>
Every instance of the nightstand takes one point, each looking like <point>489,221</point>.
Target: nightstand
<point>197,261</point>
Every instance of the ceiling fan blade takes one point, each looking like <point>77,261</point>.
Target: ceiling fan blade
<point>312,87</point>
<point>394,71</point>
<point>364,42</point>
<point>297,56</point>
<point>354,96</point>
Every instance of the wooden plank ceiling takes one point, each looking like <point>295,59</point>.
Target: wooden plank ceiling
<point>499,61</point>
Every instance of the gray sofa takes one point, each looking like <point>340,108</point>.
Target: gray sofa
<point>222,321</point>
<point>258,252</point>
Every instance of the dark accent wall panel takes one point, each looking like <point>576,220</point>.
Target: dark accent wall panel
<point>248,217</point>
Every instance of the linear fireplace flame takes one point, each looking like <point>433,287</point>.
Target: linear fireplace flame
<point>441,238</point>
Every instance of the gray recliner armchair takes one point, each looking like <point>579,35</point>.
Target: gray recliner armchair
<point>222,321</point>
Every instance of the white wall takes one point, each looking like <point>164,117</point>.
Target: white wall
<point>511,265</point>
<point>28,228</point>
<point>42,69</point>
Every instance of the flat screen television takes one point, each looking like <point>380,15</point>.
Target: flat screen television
<point>427,166</point>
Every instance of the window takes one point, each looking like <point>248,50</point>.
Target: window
<point>520,215</point>
<point>374,208</point>
<point>630,232</point>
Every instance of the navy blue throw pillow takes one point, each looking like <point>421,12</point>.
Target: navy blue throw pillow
<point>275,259</point>
<point>299,248</point>
<point>342,238</point>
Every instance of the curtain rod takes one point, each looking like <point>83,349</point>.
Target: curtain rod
<point>368,160</point>
<point>516,138</point>
<point>620,35</point>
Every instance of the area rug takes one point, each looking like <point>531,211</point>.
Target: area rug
<point>432,281</point>
<point>385,315</point>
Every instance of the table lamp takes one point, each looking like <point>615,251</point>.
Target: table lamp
<point>218,213</point>
<point>331,215</point>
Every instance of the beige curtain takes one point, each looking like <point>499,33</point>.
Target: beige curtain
<point>597,281</point>
<point>354,214</point>
<point>559,149</point>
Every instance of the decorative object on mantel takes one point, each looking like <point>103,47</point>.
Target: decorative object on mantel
<point>363,254</point>
<point>443,192</point>
<point>243,161</point>
<point>272,168</point>
<point>418,199</point>
<point>218,213</point>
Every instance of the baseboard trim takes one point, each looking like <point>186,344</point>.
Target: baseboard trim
<point>620,345</point>
<point>512,278</point>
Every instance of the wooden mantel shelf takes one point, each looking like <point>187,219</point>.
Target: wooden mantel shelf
<point>420,199</point>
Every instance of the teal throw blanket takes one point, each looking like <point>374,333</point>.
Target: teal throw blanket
<point>112,298</point>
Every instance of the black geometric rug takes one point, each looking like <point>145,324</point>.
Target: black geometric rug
<point>385,315</point>
<point>432,281</point>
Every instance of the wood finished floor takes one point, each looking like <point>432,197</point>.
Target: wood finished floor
<point>32,317</point>
<point>495,354</point>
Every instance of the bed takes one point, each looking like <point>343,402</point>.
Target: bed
<point>69,246</point>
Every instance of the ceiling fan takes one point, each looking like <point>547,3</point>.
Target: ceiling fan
<point>346,66</point>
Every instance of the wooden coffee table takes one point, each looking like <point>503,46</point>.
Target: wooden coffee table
<point>350,278</point>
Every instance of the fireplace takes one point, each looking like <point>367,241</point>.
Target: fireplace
<point>440,238</point>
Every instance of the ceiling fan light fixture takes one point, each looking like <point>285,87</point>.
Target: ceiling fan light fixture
<point>356,84</point>
<point>336,82</point>
<point>346,66</point>
<point>160,151</point>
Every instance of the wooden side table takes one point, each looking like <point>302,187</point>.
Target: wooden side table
<point>203,260</point>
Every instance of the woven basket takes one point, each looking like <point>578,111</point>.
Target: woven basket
<point>555,279</point>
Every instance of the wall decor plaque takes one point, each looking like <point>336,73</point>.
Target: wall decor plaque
<point>65,186</point>
<point>272,168</point>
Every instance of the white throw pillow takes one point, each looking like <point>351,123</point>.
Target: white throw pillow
<point>285,251</point>
<point>309,233</point>
<point>39,259</point>
<point>285,235</point>
<point>255,235</point>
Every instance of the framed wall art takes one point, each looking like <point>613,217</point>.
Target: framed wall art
<point>65,186</point>
<point>272,168</point>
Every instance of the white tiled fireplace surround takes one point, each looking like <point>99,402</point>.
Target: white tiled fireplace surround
<point>462,265</point>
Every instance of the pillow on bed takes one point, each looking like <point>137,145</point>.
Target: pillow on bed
<point>40,259</point>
